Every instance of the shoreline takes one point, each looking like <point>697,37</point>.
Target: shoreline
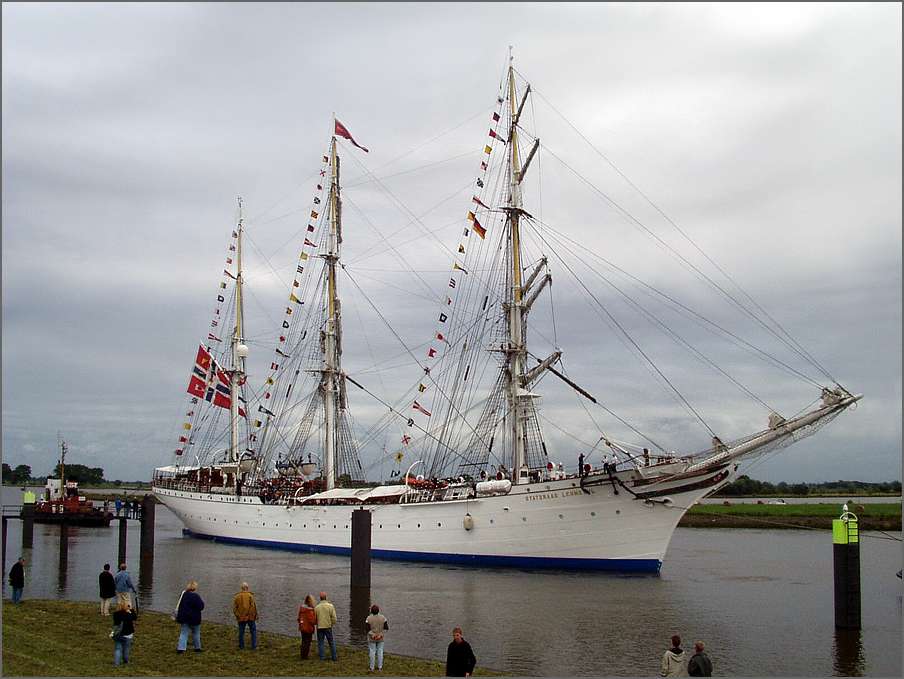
<point>73,641</point>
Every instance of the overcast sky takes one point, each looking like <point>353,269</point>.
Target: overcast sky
<point>770,133</point>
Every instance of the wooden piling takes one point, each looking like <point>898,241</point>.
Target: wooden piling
<point>3,574</point>
<point>360,571</point>
<point>148,506</point>
<point>28,524</point>
<point>123,534</point>
<point>846,545</point>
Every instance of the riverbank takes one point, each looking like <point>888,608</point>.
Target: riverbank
<point>70,638</point>
<point>873,516</point>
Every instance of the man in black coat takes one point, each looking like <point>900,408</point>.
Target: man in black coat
<point>460,658</point>
<point>17,579</point>
<point>107,587</point>
<point>699,665</point>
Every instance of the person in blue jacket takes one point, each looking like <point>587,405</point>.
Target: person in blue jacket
<point>188,615</point>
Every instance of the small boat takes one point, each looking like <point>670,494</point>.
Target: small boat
<point>62,502</point>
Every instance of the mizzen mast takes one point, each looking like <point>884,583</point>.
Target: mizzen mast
<point>239,350</point>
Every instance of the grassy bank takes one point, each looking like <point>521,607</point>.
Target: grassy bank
<point>69,638</point>
<point>872,516</point>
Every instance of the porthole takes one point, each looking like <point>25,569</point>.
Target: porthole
<point>524,518</point>
<point>439,525</point>
<point>492,521</point>
<point>592,513</point>
<point>561,517</point>
<point>618,511</point>
<point>400,525</point>
<point>419,525</point>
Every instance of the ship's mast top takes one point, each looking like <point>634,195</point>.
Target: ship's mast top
<point>239,350</point>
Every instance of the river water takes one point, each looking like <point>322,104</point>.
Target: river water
<point>761,599</point>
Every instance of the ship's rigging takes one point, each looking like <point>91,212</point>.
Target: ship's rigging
<point>473,407</point>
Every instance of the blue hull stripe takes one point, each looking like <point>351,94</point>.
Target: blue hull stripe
<point>648,566</point>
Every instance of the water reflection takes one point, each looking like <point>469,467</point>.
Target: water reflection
<point>63,566</point>
<point>848,653</point>
<point>358,609</point>
<point>146,576</point>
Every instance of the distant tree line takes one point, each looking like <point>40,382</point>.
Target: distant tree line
<point>85,476</point>
<point>745,485</point>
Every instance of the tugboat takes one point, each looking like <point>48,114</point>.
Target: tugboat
<point>62,502</point>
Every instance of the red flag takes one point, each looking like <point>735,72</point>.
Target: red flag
<point>203,358</point>
<point>493,133</point>
<point>417,406</point>
<point>440,336</point>
<point>495,117</point>
<point>480,203</point>
<point>479,230</point>
<point>183,439</point>
<point>431,353</point>
<point>342,131</point>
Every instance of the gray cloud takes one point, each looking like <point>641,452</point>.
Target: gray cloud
<point>771,134</point>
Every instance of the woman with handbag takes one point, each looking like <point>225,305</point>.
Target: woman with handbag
<point>376,625</point>
<point>123,632</point>
<point>307,624</point>
<point>188,615</point>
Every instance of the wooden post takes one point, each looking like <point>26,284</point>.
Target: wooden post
<point>3,574</point>
<point>28,524</point>
<point>148,507</point>
<point>123,528</point>
<point>360,571</point>
<point>846,539</point>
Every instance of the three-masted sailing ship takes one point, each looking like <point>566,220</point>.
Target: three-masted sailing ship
<point>286,473</point>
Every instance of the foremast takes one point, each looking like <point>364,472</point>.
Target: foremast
<point>518,303</point>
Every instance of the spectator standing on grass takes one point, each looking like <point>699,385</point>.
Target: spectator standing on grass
<point>674,660</point>
<point>700,665</point>
<point>326,618</point>
<point>307,625</point>
<point>460,659</point>
<point>376,625</point>
<point>123,632</point>
<point>188,615</point>
<point>245,610</point>
<point>107,586</point>
<point>17,579</point>
<point>124,586</point>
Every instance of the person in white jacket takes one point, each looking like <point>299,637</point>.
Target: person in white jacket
<point>674,660</point>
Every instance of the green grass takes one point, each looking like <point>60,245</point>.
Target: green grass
<point>876,510</point>
<point>70,638</point>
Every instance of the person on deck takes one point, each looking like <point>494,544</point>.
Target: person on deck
<point>326,618</point>
<point>699,665</point>
<point>674,660</point>
<point>107,586</point>
<point>124,585</point>
<point>118,504</point>
<point>376,625</point>
<point>460,659</point>
<point>307,625</point>
<point>188,614</point>
<point>17,579</point>
<point>245,610</point>
<point>122,642</point>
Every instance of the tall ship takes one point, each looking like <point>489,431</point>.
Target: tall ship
<point>474,481</point>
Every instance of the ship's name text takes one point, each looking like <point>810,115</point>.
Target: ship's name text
<point>551,496</point>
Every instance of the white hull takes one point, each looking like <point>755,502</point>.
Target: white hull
<point>553,524</point>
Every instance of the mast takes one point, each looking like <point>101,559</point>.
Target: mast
<point>62,469</point>
<point>331,351</point>
<point>239,350</point>
<point>516,350</point>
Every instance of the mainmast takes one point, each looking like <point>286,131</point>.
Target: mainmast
<point>329,384</point>
<point>239,350</point>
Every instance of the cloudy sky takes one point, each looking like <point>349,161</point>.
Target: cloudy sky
<point>770,133</point>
